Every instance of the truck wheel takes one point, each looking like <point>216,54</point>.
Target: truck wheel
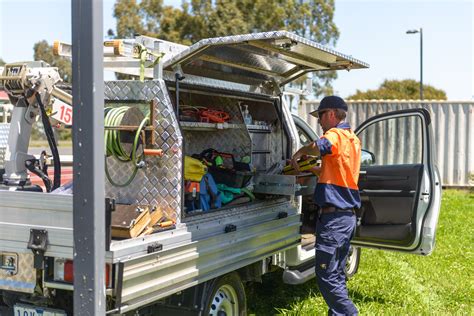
<point>226,296</point>
<point>9,298</point>
<point>352,263</point>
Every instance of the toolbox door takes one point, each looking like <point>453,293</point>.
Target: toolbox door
<point>399,184</point>
<point>259,59</point>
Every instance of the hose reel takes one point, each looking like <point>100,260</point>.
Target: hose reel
<point>125,138</point>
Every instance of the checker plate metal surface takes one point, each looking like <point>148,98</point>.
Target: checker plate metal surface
<point>276,146</point>
<point>259,59</point>
<point>159,183</point>
<point>235,140</point>
<point>4,130</point>
<point>195,81</point>
<point>24,280</point>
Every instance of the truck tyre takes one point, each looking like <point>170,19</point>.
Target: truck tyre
<point>352,263</point>
<point>9,299</point>
<point>226,296</point>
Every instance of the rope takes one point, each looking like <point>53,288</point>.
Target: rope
<point>113,146</point>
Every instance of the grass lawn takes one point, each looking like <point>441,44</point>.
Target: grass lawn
<point>44,143</point>
<point>390,283</point>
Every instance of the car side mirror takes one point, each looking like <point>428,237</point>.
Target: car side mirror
<point>367,158</point>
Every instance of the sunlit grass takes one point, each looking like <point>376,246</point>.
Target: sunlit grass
<point>390,283</point>
<point>44,144</point>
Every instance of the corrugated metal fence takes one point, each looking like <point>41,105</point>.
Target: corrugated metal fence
<point>453,125</point>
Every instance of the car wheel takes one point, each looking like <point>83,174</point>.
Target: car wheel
<point>352,263</point>
<point>226,296</point>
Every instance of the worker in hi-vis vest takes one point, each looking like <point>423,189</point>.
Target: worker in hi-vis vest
<point>337,195</point>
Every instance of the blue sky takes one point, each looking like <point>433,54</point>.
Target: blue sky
<point>371,30</point>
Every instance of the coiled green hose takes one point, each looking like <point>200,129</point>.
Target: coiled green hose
<point>113,146</point>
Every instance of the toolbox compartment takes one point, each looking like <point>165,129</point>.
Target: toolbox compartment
<point>231,178</point>
<point>233,140</point>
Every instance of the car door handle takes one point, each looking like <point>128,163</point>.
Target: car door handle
<point>380,191</point>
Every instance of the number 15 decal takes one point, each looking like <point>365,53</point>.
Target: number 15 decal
<point>62,112</point>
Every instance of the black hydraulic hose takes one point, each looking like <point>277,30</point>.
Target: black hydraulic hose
<point>177,78</point>
<point>52,143</point>
<point>30,165</point>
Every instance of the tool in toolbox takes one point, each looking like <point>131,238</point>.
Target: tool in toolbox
<point>218,159</point>
<point>224,168</point>
<point>214,116</point>
<point>163,224</point>
<point>212,157</point>
<point>190,113</point>
<point>203,114</point>
<point>134,220</point>
<point>229,194</point>
<point>304,164</point>
<point>129,220</point>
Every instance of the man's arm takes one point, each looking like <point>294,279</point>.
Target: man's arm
<point>309,150</point>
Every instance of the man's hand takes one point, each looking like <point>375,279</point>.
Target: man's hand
<point>294,164</point>
<point>310,149</point>
<point>316,170</point>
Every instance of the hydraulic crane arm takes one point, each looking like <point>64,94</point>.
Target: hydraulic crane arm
<point>31,87</point>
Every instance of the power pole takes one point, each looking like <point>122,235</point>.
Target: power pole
<point>88,151</point>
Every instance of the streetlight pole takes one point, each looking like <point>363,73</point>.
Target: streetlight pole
<point>421,57</point>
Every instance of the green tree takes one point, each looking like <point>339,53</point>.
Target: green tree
<point>396,89</point>
<point>2,62</point>
<point>129,18</point>
<point>226,19</point>
<point>198,19</point>
<point>44,51</point>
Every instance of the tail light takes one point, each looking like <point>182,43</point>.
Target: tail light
<point>64,271</point>
<point>68,271</point>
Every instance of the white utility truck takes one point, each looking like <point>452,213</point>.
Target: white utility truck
<point>219,101</point>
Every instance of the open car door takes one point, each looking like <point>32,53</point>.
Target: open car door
<point>399,183</point>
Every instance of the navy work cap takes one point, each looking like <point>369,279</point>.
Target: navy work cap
<point>330,102</point>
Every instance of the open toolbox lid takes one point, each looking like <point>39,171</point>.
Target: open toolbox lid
<point>258,59</point>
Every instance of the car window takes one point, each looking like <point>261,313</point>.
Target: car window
<point>304,138</point>
<point>394,141</point>
<point>305,133</point>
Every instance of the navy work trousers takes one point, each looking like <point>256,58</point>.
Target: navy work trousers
<point>333,234</point>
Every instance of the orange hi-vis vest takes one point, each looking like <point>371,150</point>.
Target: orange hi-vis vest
<point>337,186</point>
